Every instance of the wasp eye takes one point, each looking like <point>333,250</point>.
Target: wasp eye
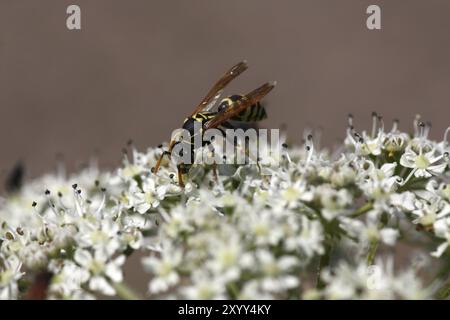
<point>222,106</point>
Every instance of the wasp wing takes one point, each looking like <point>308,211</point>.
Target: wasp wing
<point>239,105</point>
<point>213,102</point>
<point>217,89</point>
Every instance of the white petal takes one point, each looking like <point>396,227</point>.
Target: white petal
<point>143,207</point>
<point>83,257</point>
<point>440,250</point>
<point>389,236</point>
<point>99,284</point>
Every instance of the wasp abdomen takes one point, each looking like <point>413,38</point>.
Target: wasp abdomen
<point>253,113</point>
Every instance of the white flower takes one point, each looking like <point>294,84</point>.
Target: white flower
<point>276,272</point>
<point>9,276</point>
<point>404,201</point>
<point>370,231</point>
<point>99,235</point>
<point>427,213</point>
<point>373,282</point>
<point>442,230</point>
<point>149,197</point>
<point>68,280</point>
<point>103,269</point>
<point>423,161</point>
<point>293,194</point>
<point>164,269</point>
<point>334,202</point>
<point>204,288</point>
<point>378,182</point>
<point>311,237</point>
<point>254,232</point>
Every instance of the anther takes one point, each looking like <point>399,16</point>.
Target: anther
<point>75,186</point>
<point>47,192</point>
<point>34,204</point>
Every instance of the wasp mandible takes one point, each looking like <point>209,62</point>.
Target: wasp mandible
<point>243,108</point>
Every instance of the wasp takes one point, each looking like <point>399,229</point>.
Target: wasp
<point>240,108</point>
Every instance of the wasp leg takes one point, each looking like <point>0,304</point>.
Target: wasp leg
<point>226,125</point>
<point>158,164</point>
<point>215,175</point>
<point>166,152</point>
<point>180,176</point>
<point>258,165</point>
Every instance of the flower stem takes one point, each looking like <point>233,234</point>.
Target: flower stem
<point>372,252</point>
<point>124,292</point>
<point>360,211</point>
<point>323,263</point>
<point>233,289</point>
<point>443,292</point>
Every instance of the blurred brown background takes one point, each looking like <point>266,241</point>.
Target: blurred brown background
<point>138,67</point>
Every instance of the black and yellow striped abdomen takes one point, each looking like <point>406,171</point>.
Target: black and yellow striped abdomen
<point>253,113</point>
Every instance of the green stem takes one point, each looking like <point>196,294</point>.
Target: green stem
<point>372,252</point>
<point>443,291</point>
<point>323,263</point>
<point>360,211</point>
<point>124,292</point>
<point>234,291</point>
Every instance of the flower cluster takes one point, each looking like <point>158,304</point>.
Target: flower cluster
<point>312,224</point>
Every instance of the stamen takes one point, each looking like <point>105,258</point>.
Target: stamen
<point>98,212</point>
<point>78,204</point>
<point>381,122</point>
<point>374,123</point>
<point>395,125</point>
<point>34,205</point>
<point>310,148</point>
<point>49,199</point>
<point>60,167</point>
<point>427,129</point>
<point>126,161</point>
<point>445,139</point>
<point>350,120</point>
<point>421,129</point>
<point>403,182</point>
<point>416,125</point>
